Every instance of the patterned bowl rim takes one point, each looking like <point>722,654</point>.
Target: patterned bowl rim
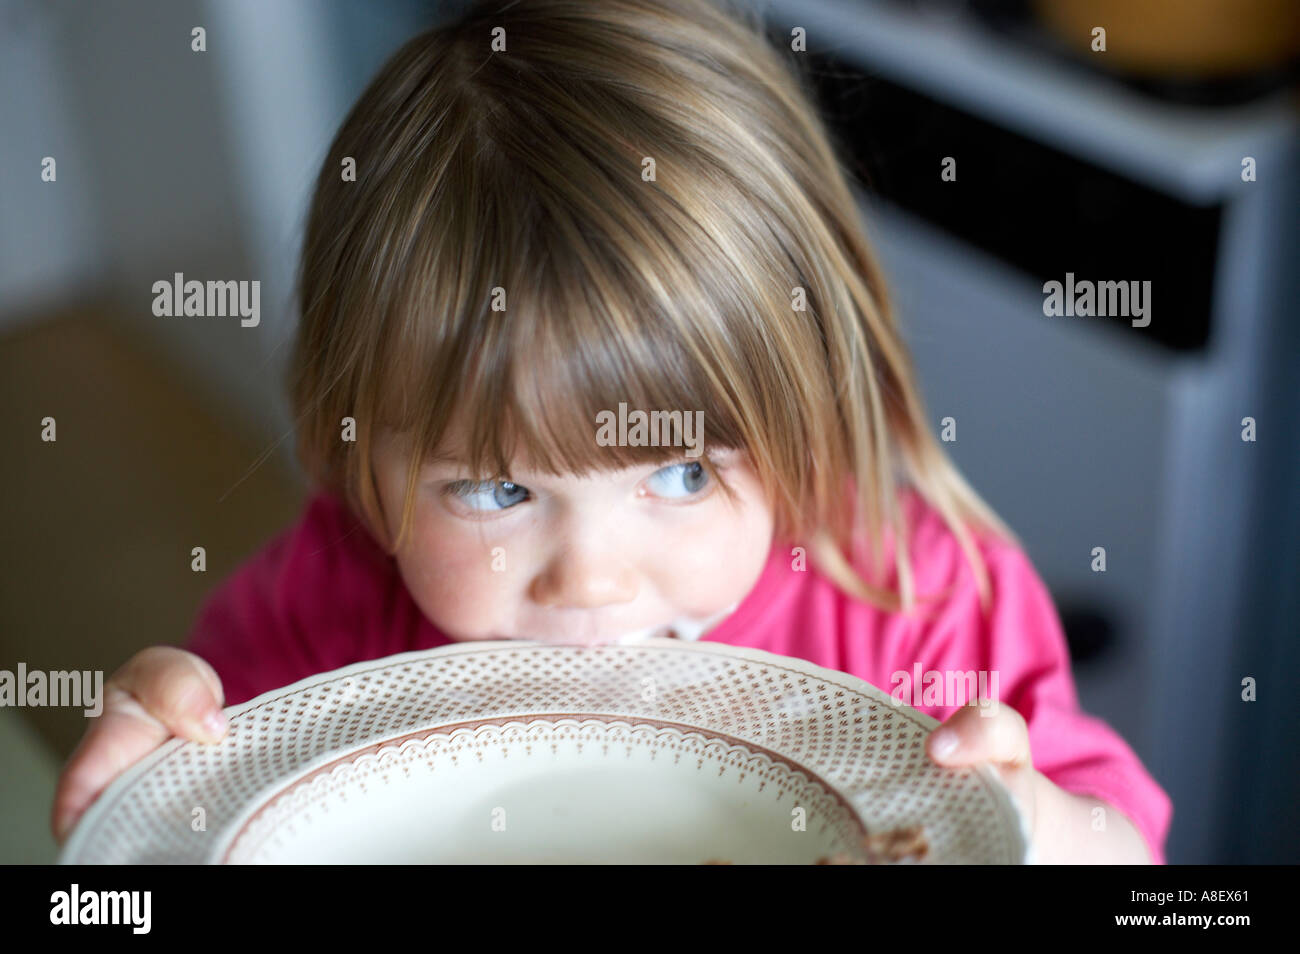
<point>85,829</point>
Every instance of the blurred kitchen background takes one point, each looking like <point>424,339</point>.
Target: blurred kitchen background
<point>1082,432</point>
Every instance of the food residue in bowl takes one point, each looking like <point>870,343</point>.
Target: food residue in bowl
<point>885,847</point>
<point>880,848</point>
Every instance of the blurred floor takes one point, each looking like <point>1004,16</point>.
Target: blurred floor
<point>99,525</point>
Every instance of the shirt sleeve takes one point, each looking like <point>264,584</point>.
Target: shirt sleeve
<point>288,612</point>
<point>1021,640</point>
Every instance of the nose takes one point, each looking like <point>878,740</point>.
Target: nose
<point>584,575</point>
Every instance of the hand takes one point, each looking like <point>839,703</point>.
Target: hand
<point>1062,826</point>
<point>1003,740</point>
<point>160,692</point>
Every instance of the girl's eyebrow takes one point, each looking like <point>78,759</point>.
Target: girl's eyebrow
<point>434,460</point>
<point>440,460</point>
<point>720,455</point>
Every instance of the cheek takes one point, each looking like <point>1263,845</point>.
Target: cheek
<point>708,567</point>
<point>450,577</point>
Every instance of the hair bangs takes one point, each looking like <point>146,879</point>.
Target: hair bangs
<point>559,377</point>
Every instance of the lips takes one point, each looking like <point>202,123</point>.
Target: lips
<point>683,628</point>
<point>634,636</point>
<point>643,634</point>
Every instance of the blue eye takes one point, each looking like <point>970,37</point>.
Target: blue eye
<point>679,480</point>
<point>489,495</point>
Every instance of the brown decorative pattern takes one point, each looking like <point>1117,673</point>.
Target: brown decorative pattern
<point>837,741</point>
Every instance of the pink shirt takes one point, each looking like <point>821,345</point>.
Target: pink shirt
<point>323,594</point>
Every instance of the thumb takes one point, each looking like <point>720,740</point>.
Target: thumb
<point>970,736</point>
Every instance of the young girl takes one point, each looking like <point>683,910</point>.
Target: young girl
<point>562,210</point>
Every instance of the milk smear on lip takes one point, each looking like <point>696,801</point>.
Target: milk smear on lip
<point>685,628</point>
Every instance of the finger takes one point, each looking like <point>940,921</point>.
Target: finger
<point>160,692</point>
<point>122,735</point>
<point>970,737</point>
<point>209,676</point>
<point>178,689</point>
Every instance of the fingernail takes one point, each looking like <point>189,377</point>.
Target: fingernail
<point>215,723</point>
<point>945,743</point>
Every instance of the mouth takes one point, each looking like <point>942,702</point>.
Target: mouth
<point>643,634</point>
<point>623,639</point>
<point>686,629</point>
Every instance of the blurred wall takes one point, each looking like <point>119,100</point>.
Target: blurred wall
<point>171,160</point>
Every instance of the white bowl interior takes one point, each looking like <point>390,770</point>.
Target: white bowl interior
<point>558,791</point>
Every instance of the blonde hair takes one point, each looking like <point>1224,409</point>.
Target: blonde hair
<point>522,170</point>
